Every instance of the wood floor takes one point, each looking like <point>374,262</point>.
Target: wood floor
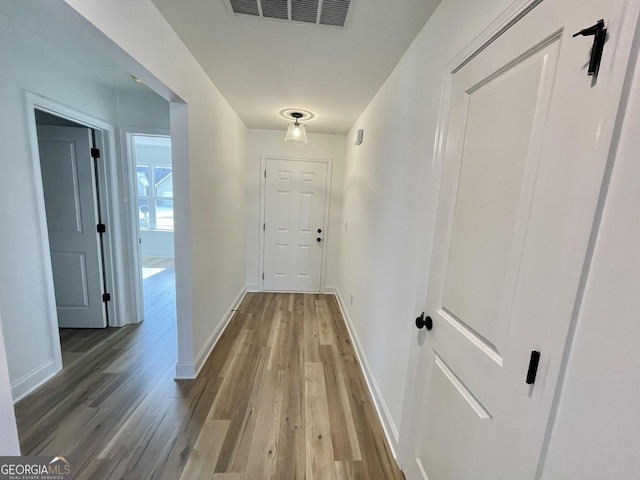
<point>280,397</point>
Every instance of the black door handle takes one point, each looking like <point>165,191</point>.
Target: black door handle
<point>318,239</point>
<point>319,230</point>
<point>424,322</point>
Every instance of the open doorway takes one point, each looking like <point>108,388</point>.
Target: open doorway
<point>151,158</point>
<point>75,159</point>
<point>69,155</point>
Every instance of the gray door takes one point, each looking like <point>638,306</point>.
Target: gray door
<point>70,198</point>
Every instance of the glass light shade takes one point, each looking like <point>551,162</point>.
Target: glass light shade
<point>295,133</point>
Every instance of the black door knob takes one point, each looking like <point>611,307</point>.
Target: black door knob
<point>424,322</point>
<point>318,239</point>
<point>319,230</point>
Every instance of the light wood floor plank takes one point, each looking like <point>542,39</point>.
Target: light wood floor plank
<point>320,460</point>
<point>136,424</point>
<point>228,476</point>
<point>326,330</point>
<point>99,468</point>
<point>311,336</point>
<point>264,441</point>
<point>235,451</point>
<point>206,451</point>
<point>343,432</point>
<point>281,397</point>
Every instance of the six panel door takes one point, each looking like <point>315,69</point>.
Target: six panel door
<point>294,229</point>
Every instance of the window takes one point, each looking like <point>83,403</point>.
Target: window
<point>154,182</point>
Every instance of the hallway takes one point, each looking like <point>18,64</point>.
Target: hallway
<point>281,396</point>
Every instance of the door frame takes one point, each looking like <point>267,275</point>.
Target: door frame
<point>327,203</point>
<point>108,181</point>
<point>132,190</point>
<point>512,14</point>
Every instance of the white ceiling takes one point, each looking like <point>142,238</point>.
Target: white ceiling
<point>262,66</point>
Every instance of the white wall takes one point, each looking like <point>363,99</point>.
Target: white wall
<point>271,142</point>
<point>9,442</point>
<point>597,427</point>
<point>143,111</point>
<point>28,65</point>
<point>389,200</point>
<point>156,243</point>
<point>209,168</point>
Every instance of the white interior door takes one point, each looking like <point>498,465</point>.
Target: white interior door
<point>70,200</point>
<point>522,170</point>
<point>294,231</point>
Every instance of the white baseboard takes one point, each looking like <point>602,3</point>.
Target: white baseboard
<point>331,289</point>
<point>389,427</point>
<point>185,371</point>
<point>191,370</point>
<point>32,380</point>
<point>253,287</point>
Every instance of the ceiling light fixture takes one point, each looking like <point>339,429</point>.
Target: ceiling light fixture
<point>295,131</point>
<point>137,80</point>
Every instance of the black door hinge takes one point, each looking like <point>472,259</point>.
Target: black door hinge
<point>106,297</point>
<point>101,228</point>
<point>95,153</point>
<point>599,33</point>
<point>534,360</point>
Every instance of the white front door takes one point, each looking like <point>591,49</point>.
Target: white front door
<point>294,231</point>
<point>522,168</point>
<point>70,199</point>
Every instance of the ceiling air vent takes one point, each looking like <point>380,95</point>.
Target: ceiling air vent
<point>320,12</point>
<point>247,7</point>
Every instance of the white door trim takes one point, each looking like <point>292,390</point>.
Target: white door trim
<point>625,14</point>
<point>327,203</point>
<point>109,204</point>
